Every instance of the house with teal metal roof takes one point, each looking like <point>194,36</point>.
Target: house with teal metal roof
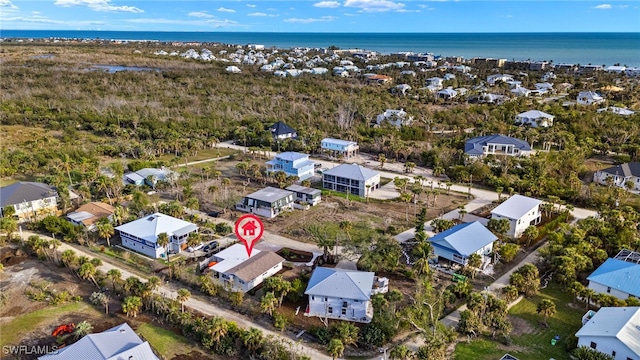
<point>617,278</point>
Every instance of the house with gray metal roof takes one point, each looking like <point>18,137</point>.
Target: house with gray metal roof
<point>351,179</point>
<point>306,195</point>
<point>142,235</point>
<point>267,202</point>
<point>459,242</point>
<point>521,211</point>
<point>343,294</point>
<point>31,200</point>
<point>620,175</point>
<point>496,145</point>
<point>338,147</point>
<point>118,343</point>
<point>617,278</point>
<point>614,331</point>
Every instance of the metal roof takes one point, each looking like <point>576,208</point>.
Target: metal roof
<point>24,191</point>
<point>303,190</point>
<point>474,145</point>
<point>149,227</point>
<point>269,194</point>
<point>339,141</point>
<point>516,206</point>
<point>292,156</point>
<point>231,257</point>
<point>534,114</point>
<point>346,284</point>
<point>352,171</point>
<point>622,323</point>
<point>119,342</point>
<point>464,239</point>
<point>618,274</point>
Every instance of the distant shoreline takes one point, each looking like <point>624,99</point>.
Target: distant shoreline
<point>606,48</point>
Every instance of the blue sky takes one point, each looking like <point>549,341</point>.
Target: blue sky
<point>323,15</point>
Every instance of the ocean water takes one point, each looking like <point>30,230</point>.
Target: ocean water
<point>576,48</point>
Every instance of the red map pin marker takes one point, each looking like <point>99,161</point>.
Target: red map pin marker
<point>249,230</point>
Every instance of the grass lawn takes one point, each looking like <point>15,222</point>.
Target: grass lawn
<point>164,341</point>
<point>534,344</point>
<point>14,330</point>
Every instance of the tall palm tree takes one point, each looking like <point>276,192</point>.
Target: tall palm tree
<point>69,258</point>
<point>88,271</point>
<point>115,276</point>
<point>105,229</point>
<point>182,296</point>
<point>131,305</point>
<point>163,241</point>
<point>268,303</point>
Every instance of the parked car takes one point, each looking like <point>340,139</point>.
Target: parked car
<point>210,246</point>
<point>214,213</point>
<point>194,248</point>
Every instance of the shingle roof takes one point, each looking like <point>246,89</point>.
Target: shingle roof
<point>269,194</point>
<point>474,146</point>
<point>464,239</point>
<point>622,323</point>
<point>281,128</point>
<point>516,206</point>
<point>95,210</point>
<point>619,275</point>
<point>626,170</point>
<point>256,265</point>
<point>22,191</point>
<point>352,171</point>
<point>149,227</point>
<point>119,342</point>
<point>347,284</point>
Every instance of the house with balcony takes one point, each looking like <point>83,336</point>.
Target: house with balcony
<point>235,270</point>
<point>268,202</point>
<point>338,147</point>
<point>142,235</point>
<point>520,211</point>
<point>292,164</point>
<point>30,200</point>
<point>621,175</point>
<point>351,179</point>
<point>343,294</point>
<point>614,331</point>
<point>459,242</point>
<point>535,118</point>
<point>305,195</point>
<point>88,214</point>
<point>496,144</point>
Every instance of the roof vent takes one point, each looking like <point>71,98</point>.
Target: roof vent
<point>122,330</point>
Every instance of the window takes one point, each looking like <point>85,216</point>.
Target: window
<point>613,353</point>
<point>330,311</point>
<point>345,304</point>
<point>608,290</point>
<point>344,311</point>
<point>313,297</point>
<point>593,345</point>
<point>325,299</point>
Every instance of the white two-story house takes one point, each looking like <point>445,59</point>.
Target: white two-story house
<point>267,202</point>
<point>396,118</point>
<point>293,164</point>
<point>142,235</point>
<point>535,118</point>
<point>343,294</point>
<point>351,179</point>
<point>521,211</point>
<point>614,331</point>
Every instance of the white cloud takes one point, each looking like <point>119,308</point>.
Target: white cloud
<point>374,5</point>
<point>44,20</point>
<point>310,20</point>
<point>603,6</point>
<point>35,12</point>
<point>251,5</point>
<point>226,10</point>
<point>200,14</point>
<point>214,23</point>
<point>99,5</point>
<point>257,14</point>
<point>327,4</point>
<point>7,5</point>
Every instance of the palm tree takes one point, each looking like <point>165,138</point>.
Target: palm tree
<point>83,328</point>
<point>194,239</point>
<point>163,241</point>
<point>268,303</point>
<point>105,229</point>
<point>182,297</point>
<point>120,214</point>
<point>382,159</point>
<point>88,271</point>
<point>115,276</point>
<point>335,348</point>
<point>68,258</point>
<point>252,339</point>
<point>131,305</point>
<point>546,308</point>
<point>345,226</point>
<point>474,261</point>
<point>218,329</point>
<point>531,233</point>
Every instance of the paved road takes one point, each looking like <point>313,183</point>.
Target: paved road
<point>198,303</point>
